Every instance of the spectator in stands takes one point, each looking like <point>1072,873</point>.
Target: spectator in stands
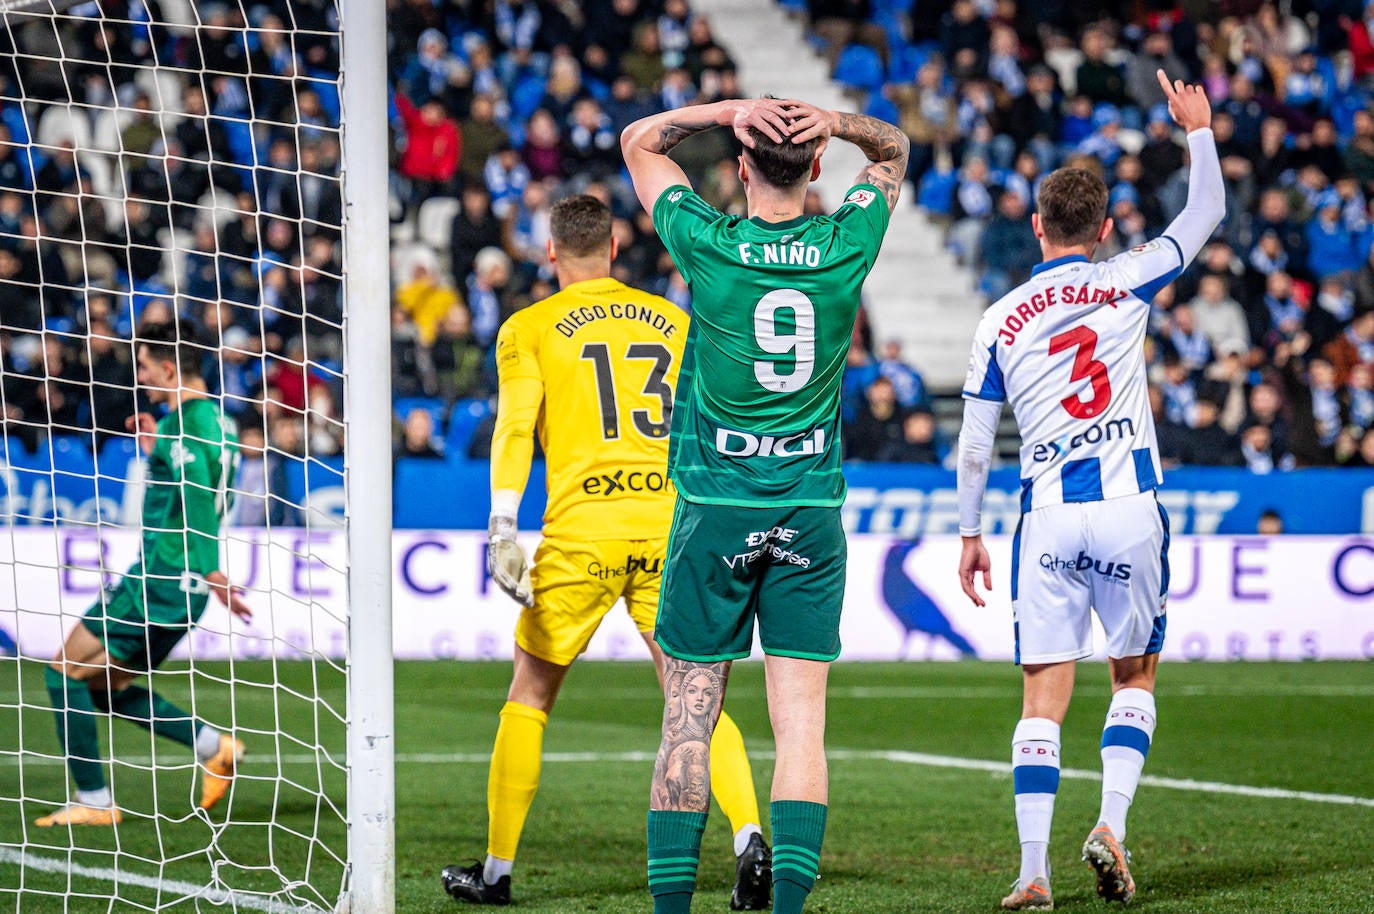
<point>491,271</point>
<point>1193,347</point>
<point>973,206</point>
<point>435,74</point>
<point>1220,317</point>
<point>1156,53</point>
<point>432,151</point>
<point>917,443</point>
<point>1354,346</point>
<point>407,374</point>
<point>1265,407</point>
<point>703,53</point>
<point>425,297</point>
<point>1270,523</point>
<point>474,227</point>
<point>627,103</point>
<point>1212,445</point>
<point>240,372</point>
<point>644,63</point>
<point>1282,318</point>
<point>455,359</point>
<point>1098,78</point>
<point>860,371</point>
<point>261,494</point>
<point>593,144</point>
<point>528,232</point>
<point>1259,452</point>
<point>840,23</point>
<point>1331,245</point>
<point>1033,118</point>
<point>482,136</point>
<point>108,363</point>
<point>906,381</point>
<point>506,177</point>
<point>878,424</point>
<point>1008,245</point>
<point>1359,397</point>
<point>289,381</point>
<point>417,437</point>
<point>1172,436</point>
<point>927,115</point>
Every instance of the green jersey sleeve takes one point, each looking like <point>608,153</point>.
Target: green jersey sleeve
<point>863,217</point>
<point>190,472</point>
<point>680,218</point>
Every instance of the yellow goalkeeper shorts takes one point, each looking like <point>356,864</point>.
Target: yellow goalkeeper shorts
<point>577,582</point>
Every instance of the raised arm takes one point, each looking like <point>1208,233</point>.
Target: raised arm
<point>647,142</point>
<point>1206,204</point>
<point>886,146</point>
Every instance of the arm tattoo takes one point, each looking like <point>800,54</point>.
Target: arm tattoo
<point>682,772</point>
<point>886,148</point>
<point>670,134</point>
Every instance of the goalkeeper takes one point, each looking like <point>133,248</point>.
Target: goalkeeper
<point>592,368</point>
<point>133,626</point>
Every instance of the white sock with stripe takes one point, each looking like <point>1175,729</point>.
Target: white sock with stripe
<point>1035,780</point>
<point>1126,741</point>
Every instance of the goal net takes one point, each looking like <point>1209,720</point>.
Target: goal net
<point>174,166</point>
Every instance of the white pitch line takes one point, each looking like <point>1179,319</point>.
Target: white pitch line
<point>1082,774</point>
<point>189,890</point>
<point>895,756</point>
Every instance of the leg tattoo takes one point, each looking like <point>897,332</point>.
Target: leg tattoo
<point>694,695</point>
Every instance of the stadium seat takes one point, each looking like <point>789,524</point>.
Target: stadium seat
<point>316,485</point>
<point>526,96</point>
<point>462,421</point>
<point>882,108</point>
<point>115,455</point>
<point>435,221</point>
<point>432,405</point>
<point>859,67</point>
<point>905,63</point>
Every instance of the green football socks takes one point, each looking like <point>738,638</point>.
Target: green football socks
<point>150,710</point>
<point>674,850</point>
<point>76,733</point>
<point>798,828</point>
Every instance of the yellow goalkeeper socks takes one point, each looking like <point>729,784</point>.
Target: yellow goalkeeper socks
<point>732,781</point>
<point>514,776</point>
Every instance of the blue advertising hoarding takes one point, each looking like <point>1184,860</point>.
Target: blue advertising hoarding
<point>898,500</point>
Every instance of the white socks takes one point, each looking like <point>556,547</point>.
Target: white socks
<point>744,834</point>
<point>207,742</point>
<point>1126,741</point>
<point>495,868</point>
<point>1035,780</point>
<point>100,799</point>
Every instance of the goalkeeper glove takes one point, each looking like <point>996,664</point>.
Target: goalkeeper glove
<point>506,561</point>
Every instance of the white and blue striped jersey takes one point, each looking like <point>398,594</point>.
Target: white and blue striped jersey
<point>1067,350</point>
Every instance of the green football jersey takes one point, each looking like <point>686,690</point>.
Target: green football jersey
<point>756,417</point>
<point>190,472</point>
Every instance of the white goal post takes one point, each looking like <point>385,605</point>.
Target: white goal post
<point>371,714</point>
<point>220,166</point>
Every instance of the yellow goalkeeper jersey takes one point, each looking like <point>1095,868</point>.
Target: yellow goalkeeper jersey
<point>592,369</point>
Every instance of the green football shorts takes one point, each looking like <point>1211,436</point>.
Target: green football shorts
<point>120,620</point>
<point>726,565</point>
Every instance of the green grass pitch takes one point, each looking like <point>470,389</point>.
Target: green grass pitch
<point>905,835</point>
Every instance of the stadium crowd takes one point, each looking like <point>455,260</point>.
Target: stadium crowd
<point>1261,354</point>
<point>209,188</point>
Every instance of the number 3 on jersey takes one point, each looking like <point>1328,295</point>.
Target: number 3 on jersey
<point>599,354</point>
<point>1085,367</point>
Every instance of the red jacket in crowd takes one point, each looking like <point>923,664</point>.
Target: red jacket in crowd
<point>432,148</point>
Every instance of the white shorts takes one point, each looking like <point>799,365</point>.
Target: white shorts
<point>1110,556</point>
